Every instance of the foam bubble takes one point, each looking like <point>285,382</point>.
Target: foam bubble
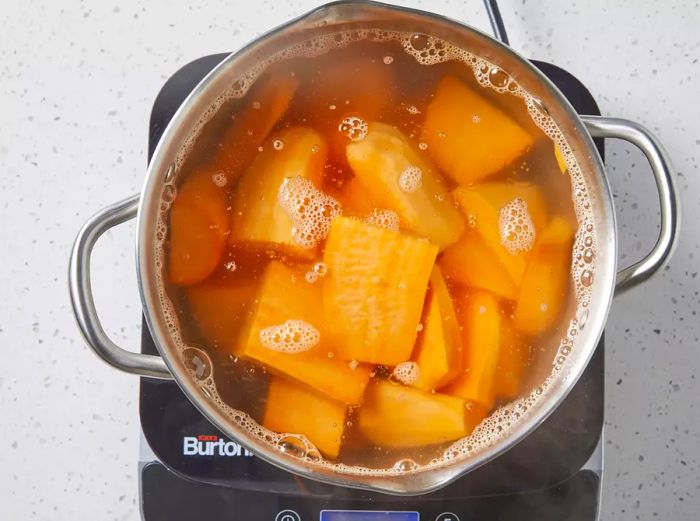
<point>310,210</point>
<point>387,219</point>
<point>412,109</point>
<point>406,372</point>
<point>321,268</point>
<point>219,179</point>
<point>515,226</point>
<point>354,128</point>
<point>293,336</point>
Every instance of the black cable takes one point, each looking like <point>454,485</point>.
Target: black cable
<point>499,30</point>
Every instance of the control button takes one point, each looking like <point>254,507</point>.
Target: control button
<point>447,516</point>
<point>289,515</point>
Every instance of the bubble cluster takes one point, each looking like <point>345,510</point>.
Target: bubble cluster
<point>293,336</point>
<point>387,219</point>
<point>411,179</point>
<point>406,372</point>
<point>310,210</point>
<point>354,128</point>
<point>388,60</point>
<point>515,227</point>
<point>219,179</point>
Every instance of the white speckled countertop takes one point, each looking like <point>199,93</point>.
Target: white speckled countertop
<point>77,80</point>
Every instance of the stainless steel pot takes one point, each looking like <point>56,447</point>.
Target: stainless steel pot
<point>578,130</point>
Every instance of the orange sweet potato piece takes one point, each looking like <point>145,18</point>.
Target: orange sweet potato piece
<point>198,229</point>
<point>481,205</point>
<point>250,126</point>
<point>513,356</point>
<point>468,137</point>
<point>438,350</point>
<point>399,416</point>
<point>257,216</point>
<point>379,161</point>
<point>561,161</point>
<point>218,308</point>
<point>374,291</point>
<point>481,338</point>
<point>285,295</point>
<point>472,262</point>
<point>294,409</point>
<point>545,282</point>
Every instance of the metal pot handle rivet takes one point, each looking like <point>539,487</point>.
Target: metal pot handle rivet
<point>84,305</point>
<point>669,203</point>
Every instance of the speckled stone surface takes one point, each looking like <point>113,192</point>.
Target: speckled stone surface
<point>77,80</point>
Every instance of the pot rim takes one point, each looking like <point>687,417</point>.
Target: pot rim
<point>432,478</point>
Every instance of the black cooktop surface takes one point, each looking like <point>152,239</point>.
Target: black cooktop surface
<point>198,476</point>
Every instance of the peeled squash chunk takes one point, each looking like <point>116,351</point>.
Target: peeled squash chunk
<point>473,263</point>
<point>495,195</point>
<point>284,295</point>
<point>294,409</point>
<point>251,126</point>
<point>380,162</point>
<point>438,350</point>
<point>482,205</point>
<point>219,308</point>
<point>398,416</point>
<point>468,137</point>
<point>561,161</point>
<point>257,215</point>
<point>374,291</point>
<point>513,357</point>
<point>545,283</point>
<point>480,318</point>
<point>198,229</point>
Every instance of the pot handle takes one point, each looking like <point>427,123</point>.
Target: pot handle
<point>664,176</point>
<point>84,305</point>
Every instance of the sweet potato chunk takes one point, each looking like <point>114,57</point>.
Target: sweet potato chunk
<point>544,285</point>
<point>561,162</point>
<point>374,291</point>
<point>398,416</point>
<point>257,216</point>
<point>219,308</point>
<point>468,137</point>
<point>481,206</point>
<point>284,295</point>
<point>379,162</point>
<point>294,409</point>
<point>480,318</point>
<point>198,228</point>
<point>473,263</point>
<point>513,356</point>
<point>250,126</point>
<point>438,349</point>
